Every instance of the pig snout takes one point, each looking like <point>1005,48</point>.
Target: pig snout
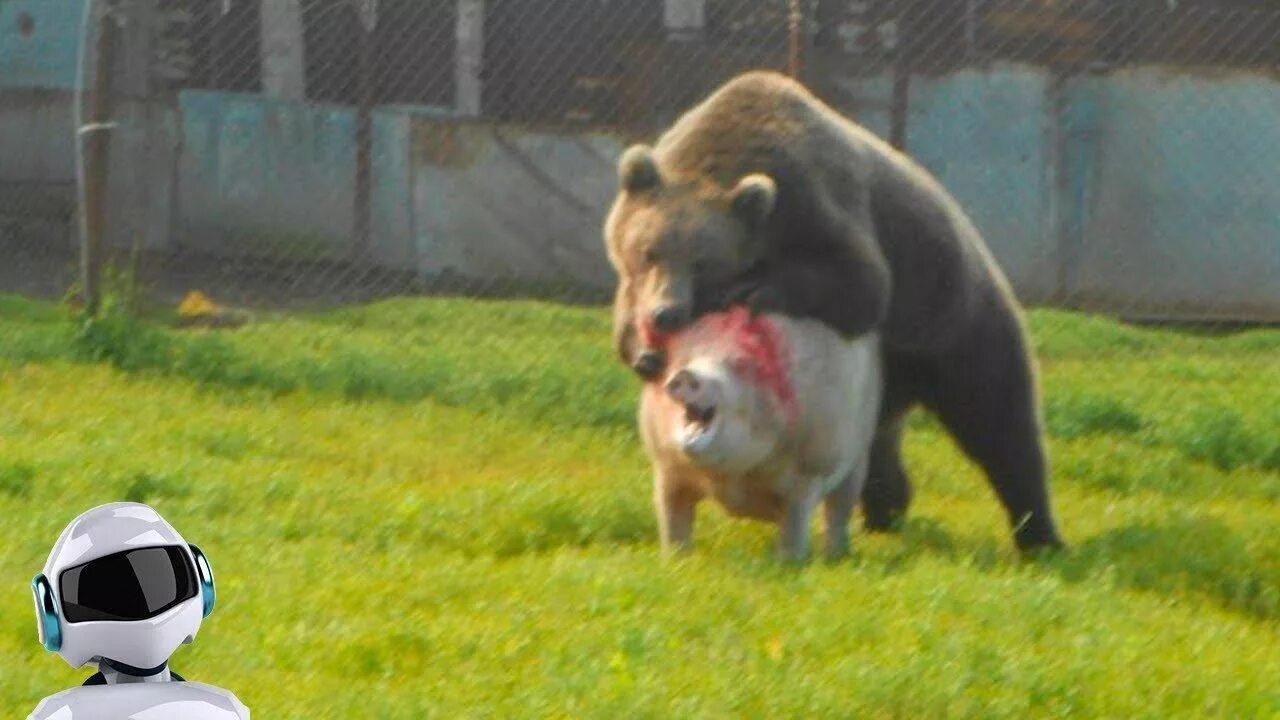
<point>696,394</point>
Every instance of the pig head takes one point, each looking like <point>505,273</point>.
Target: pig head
<point>767,414</point>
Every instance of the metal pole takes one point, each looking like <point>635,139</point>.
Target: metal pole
<point>97,149</point>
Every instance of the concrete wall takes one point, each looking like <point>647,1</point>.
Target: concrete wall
<point>266,177</point>
<point>38,47</point>
<point>1139,192</point>
<point>1146,192</point>
<point>1180,194</point>
<point>503,202</point>
<point>984,135</point>
<point>274,178</point>
<point>37,136</point>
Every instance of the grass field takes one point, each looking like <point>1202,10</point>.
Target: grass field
<point>436,508</point>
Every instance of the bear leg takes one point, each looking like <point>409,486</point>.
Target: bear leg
<point>887,492</point>
<point>984,393</point>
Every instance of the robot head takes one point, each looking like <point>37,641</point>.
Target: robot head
<point>121,585</point>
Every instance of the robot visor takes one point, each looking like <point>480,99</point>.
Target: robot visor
<point>130,585</point>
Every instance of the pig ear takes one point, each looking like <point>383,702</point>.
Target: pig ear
<point>754,197</point>
<point>637,170</point>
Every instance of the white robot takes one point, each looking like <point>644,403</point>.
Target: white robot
<point>122,589</point>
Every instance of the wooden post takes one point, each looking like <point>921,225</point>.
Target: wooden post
<point>795,38</point>
<point>283,59</point>
<point>469,58</point>
<point>96,134</point>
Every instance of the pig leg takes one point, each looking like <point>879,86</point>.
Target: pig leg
<point>839,509</point>
<point>676,508</point>
<point>793,538</point>
<point>839,505</point>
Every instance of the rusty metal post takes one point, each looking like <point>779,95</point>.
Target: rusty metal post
<point>97,156</point>
<point>795,38</point>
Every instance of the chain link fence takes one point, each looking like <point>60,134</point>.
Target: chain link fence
<point>1118,156</point>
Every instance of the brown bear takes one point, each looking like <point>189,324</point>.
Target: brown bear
<point>770,416</point>
<point>764,195</point>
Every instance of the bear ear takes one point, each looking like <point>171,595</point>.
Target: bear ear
<point>637,170</point>
<point>754,197</point>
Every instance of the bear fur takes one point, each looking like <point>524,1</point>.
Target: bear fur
<point>764,195</point>
<point>769,415</point>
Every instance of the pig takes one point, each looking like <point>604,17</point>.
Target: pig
<point>768,414</point>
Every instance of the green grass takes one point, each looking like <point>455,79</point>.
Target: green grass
<point>438,508</point>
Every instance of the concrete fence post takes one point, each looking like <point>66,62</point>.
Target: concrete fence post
<point>684,19</point>
<point>469,60</point>
<point>283,53</point>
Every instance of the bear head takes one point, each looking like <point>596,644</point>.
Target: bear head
<point>676,243</point>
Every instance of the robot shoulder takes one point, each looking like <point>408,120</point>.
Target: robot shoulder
<point>53,707</point>
<point>142,701</point>
<point>226,699</point>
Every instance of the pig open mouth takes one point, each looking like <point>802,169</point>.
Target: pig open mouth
<point>701,414</point>
<point>697,418</point>
<point>699,427</point>
<point>699,431</point>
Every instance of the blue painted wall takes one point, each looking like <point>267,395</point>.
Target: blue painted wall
<point>508,202</point>
<point>1181,198</point>
<point>983,135</point>
<point>271,178</point>
<point>261,176</point>
<point>46,57</point>
<point>1146,192</point>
